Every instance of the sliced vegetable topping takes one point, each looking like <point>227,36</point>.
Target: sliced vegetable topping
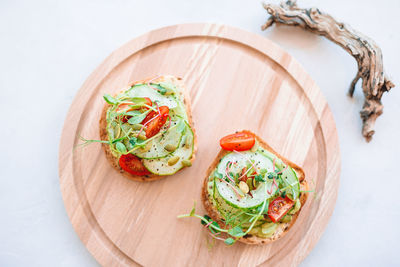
<point>253,191</point>
<point>133,104</point>
<point>177,160</point>
<point>279,207</point>
<point>237,181</point>
<point>148,129</point>
<point>240,141</point>
<point>289,179</point>
<point>155,120</point>
<point>143,90</point>
<point>162,145</point>
<point>133,165</point>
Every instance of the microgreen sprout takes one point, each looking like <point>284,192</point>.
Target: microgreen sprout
<point>204,220</point>
<point>232,232</point>
<point>123,116</point>
<point>227,174</point>
<point>158,87</point>
<point>259,178</point>
<point>89,141</point>
<point>247,158</point>
<point>240,221</point>
<point>245,173</point>
<point>110,100</point>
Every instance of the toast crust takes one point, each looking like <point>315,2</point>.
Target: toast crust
<point>104,135</point>
<point>283,227</point>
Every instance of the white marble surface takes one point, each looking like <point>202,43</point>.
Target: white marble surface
<point>48,48</point>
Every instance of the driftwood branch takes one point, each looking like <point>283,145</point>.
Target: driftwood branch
<point>367,54</point>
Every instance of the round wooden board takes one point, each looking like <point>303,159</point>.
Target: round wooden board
<point>237,80</point>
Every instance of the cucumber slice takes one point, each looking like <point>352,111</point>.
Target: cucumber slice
<point>184,152</point>
<point>289,176</point>
<point>241,160</point>
<point>143,90</point>
<point>259,194</point>
<point>247,202</point>
<point>157,146</point>
<point>170,87</point>
<point>174,103</point>
<point>290,179</point>
<point>179,110</point>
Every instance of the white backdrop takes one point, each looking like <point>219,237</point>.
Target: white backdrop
<point>48,48</point>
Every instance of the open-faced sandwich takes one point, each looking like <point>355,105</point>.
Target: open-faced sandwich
<point>147,130</point>
<point>251,193</point>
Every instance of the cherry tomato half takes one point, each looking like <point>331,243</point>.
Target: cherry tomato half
<point>279,207</point>
<point>154,125</point>
<point>126,106</point>
<point>240,141</point>
<point>132,164</point>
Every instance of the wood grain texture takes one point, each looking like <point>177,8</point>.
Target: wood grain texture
<point>236,80</point>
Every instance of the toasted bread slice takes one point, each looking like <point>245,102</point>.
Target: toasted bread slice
<point>283,227</point>
<point>104,136</point>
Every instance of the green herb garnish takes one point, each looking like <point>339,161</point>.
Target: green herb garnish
<point>120,147</point>
<point>236,231</point>
<point>259,178</point>
<point>110,100</point>
<point>218,175</point>
<point>137,119</point>
<point>229,241</point>
<point>133,141</point>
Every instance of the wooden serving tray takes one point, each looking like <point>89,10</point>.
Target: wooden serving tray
<point>237,80</point>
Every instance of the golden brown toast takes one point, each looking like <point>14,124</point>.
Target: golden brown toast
<point>104,136</point>
<point>283,227</point>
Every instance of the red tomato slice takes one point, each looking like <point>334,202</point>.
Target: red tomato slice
<point>240,141</point>
<point>133,165</point>
<point>279,207</point>
<point>125,107</point>
<point>242,174</point>
<point>148,102</point>
<point>154,125</point>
